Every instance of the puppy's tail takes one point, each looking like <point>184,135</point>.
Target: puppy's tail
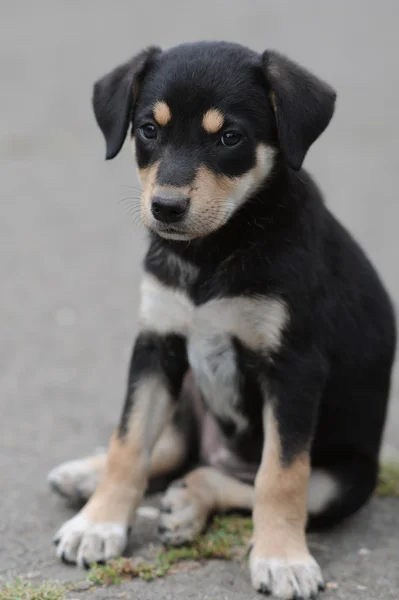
<point>340,490</point>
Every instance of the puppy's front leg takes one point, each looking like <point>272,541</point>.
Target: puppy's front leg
<point>280,562</point>
<point>100,530</point>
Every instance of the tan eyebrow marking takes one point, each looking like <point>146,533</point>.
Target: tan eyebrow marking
<point>162,113</point>
<point>213,120</point>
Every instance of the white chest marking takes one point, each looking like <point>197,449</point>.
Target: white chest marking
<point>257,322</point>
<point>164,309</point>
<point>213,360</point>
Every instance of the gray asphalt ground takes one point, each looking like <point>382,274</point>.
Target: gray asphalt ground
<point>70,252</point>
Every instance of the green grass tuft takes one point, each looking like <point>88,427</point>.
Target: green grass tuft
<point>226,539</point>
<point>22,590</point>
<point>388,482</point>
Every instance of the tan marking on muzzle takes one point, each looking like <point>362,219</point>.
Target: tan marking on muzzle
<point>162,114</point>
<point>148,176</point>
<point>209,200</point>
<point>213,120</point>
<point>171,191</point>
<point>213,197</point>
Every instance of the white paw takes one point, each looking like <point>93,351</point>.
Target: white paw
<point>286,579</point>
<point>84,543</point>
<point>75,479</point>
<point>183,517</point>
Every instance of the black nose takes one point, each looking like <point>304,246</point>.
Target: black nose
<point>169,210</point>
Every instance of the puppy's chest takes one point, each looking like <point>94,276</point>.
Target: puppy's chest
<point>212,328</point>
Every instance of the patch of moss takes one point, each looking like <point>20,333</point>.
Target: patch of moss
<point>22,590</point>
<point>225,539</point>
<point>108,574</point>
<point>388,481</point>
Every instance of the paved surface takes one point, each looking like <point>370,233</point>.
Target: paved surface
<point>71,253</point>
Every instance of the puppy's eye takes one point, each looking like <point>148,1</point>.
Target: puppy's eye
<point>148,131</point>
<point>231,138</point>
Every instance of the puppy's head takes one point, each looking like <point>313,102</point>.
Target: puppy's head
<point>208,122</point>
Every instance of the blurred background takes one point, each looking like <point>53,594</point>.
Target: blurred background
<point>70,252</point>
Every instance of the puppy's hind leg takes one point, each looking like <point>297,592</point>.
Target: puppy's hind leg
<point>188,503</point>
<point>76,480</point>
<point>176,449</point>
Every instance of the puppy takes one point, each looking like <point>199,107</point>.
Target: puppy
<point>266,339</point>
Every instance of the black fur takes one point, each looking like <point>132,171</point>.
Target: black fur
<point>164,356</point>
<point>113,97</point>
<point>303,105</point>
<point>330,379</point>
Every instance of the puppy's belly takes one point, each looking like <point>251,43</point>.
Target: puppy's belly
<point>217,451</point>
<point>213,361</point>
<point>218,407</point>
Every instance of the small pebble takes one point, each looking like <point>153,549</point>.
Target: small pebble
<point>361,588</point>
<point>33,575</point>
<point>364,551</point>
<point>331,585</point>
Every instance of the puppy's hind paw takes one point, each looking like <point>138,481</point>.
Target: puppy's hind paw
<point>183,516</point>
<point>76,480</point>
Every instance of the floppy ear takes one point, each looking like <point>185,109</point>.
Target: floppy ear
<point>114,96</point>
<point>303,105</point>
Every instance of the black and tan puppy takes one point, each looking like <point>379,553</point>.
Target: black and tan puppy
<point>266,338</point>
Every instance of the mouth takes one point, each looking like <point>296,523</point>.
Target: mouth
<point>171,230</point>
<point>172,233</point>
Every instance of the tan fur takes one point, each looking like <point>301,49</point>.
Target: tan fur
<point>171,190</point>
<point>120,489</point>
<point>220,492</point>
<point>280,501</point>
<point>209,206</point>
<point>208,194</point>
<point>148,176</point>
<point>162,114</point>
<point>169,452</point>
<point>78,479</point>
<point>213,197</point>
<point>206,491</point>
<point>127,470</point>
<point>213,120</point>
<point>209,200</point>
